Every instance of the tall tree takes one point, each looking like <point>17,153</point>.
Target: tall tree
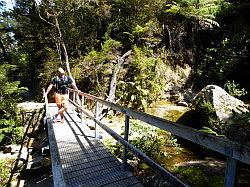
<point>3,30</point>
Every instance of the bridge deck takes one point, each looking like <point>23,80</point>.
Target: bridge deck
<point>84,160</point>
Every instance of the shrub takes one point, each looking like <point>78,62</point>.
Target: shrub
<point>141,84</point>
<point>234,90</point>
<point>10,127</point>
<point>5,168</point>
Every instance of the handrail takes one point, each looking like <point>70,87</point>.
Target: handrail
<point>58,178</point>
<point>46,103</point>
<point>231,149</point>
<point>219,144</point>
<point>132,148</point>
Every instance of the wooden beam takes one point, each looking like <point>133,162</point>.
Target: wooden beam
<point>230,173</point>
<point>125,151</point>
<point>58,178</point>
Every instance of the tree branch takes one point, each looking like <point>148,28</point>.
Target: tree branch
<point>38,12</point>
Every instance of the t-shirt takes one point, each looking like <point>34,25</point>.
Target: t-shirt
<point>61,83</point>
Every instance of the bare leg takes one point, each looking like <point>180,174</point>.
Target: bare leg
<point>59,106</point>
<point>61,112</point>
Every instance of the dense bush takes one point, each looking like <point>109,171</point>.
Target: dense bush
<point>141,84</point>
<point>149,140</point>
<point>11,130</point>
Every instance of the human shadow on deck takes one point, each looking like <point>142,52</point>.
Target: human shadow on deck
<point>92,143</point>
<point>91,164</point>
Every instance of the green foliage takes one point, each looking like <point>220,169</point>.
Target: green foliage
<point>197,177</point>
<point>5,168</point>
<point>95,69</point>
<point>10,132</point>
<point>141,85</point>
<point>147,35</point>
<point>205,106</point>
<point>208,130</point>
<point>202,11</point>
<point>217,64</point>
<point>194,175</point>
<point>126,15</point>
<point>115,148</point>
<point>233,89</point>
<point>51,64</point>
<point>230,52</point>
<point>145,139</point>
<point>148,141</point>
<point>238,128</point>
<point>209,120</point>
<point>10,127</point>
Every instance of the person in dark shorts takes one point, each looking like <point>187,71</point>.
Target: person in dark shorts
<point>61,82</point>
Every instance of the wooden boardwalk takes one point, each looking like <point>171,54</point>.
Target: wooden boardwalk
<point>84,160</point>
<point>80,160</point>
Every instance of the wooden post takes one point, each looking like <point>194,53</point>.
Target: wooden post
<point>74,97</point>
<point>230,173</point>
<point>82,105</point>
<point>96,116</point>
<point>125,156</point>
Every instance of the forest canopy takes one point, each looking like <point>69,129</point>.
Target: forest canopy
<point>90,37</point>
<point>210,36</point>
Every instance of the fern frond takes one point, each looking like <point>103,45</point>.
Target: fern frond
<point>211,22</point>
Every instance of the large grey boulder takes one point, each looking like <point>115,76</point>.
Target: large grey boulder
<point>223,103</point>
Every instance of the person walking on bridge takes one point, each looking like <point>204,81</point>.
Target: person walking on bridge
<point>61,82</point>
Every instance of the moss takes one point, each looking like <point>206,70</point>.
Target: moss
<point>207,114</point>
<point>196,177</point>
<point>152,111</point>
<point>173,115</point>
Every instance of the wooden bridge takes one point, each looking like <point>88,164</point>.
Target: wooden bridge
<point>80,159</point>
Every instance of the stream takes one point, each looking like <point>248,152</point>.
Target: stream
<point>195,165</point>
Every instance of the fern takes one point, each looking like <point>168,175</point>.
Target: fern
<point>202,11</point>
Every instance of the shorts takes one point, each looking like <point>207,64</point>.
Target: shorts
<point>62,100</point>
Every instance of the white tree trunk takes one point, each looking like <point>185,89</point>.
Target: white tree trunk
<point>115,71</point>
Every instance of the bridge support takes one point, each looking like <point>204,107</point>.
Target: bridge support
<point>82,105</point>
<point>230,173</point>
<point>96,116</point>
<point>125,156</point>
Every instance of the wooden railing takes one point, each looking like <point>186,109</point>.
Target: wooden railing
<point>58,178</point>
<point>231,150</point>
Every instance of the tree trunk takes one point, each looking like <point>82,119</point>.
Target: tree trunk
<point>61,45</point>
<point>3,49</point>
<point>111,97</point>
<point>65,56</point>
<point>168,39</point>
<point>115,71</point>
